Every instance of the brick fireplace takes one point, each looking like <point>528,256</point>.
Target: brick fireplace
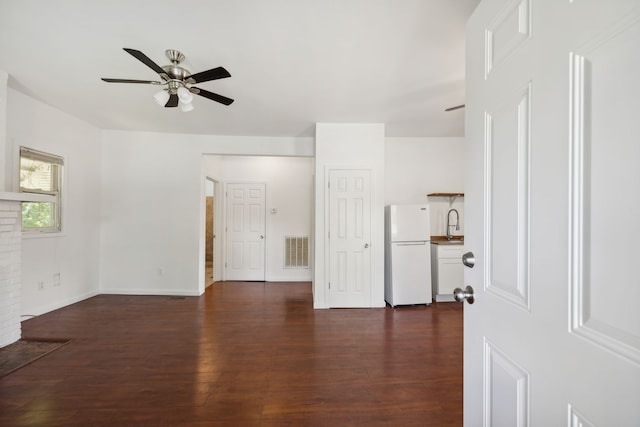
<point>10,271</point>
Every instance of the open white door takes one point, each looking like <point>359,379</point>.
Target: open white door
<point>245,231</point>
<point>552,207</point>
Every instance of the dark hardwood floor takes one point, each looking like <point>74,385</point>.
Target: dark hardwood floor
<point>243,354</point>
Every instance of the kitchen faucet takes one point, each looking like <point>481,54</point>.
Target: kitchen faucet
<point>456,225</point>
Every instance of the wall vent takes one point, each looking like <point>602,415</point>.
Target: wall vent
<point>296,252</point>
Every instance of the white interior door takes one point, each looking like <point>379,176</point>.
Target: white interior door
<point>349,238</point>
<point>552,207</point>
<point>245,231</point>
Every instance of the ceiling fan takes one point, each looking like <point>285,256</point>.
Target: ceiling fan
<point>454,108</point>
<point>178,81</point>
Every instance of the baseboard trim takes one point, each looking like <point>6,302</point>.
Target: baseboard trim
<point>150,292</point>
<point>289,279</point>
<point>444,298</point>
<point>58,305</point>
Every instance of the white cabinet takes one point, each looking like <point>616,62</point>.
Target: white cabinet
<point>446,270</point>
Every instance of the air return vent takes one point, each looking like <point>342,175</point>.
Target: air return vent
<point>296,252</point>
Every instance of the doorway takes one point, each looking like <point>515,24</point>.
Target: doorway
<point>211,266</point>
<point>285,213</point>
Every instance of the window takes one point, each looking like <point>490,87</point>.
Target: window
<point>41,173</point>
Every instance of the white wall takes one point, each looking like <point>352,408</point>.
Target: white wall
<point>152,234</point>
<point>171,170</point>
<point>358,146</point>
<point>289,184</point>
<point>415,167</point>
<point>74,253</point>
<point>209,188</point>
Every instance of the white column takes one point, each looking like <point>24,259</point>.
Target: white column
<point>358,146</point>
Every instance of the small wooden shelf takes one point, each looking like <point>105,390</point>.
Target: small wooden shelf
<point>451,196</point>
<point>445,195</point>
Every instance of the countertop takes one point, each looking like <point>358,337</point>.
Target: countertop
<point>442,240</point>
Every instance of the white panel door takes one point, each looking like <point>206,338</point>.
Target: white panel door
<point>245,231</point>
<point>349,238</point>
<point>552,207</point>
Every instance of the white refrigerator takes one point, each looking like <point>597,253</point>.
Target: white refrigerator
<point>407,255</point>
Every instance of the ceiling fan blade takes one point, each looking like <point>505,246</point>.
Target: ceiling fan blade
<point>212,96</point>
<point>454,108</point>
<point>148,62</point>
<point>173,101</point>
<point>149,82</point>
<point>205,76</point>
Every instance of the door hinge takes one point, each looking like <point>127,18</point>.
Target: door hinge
<point>329,184</point>
<point>329,285</point>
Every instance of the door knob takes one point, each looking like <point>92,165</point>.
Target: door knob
<point>366,245</point>
<point>466,294</point>
<point>469,259</point>
<point>261,236</point>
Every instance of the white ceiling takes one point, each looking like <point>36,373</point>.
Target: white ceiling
<point>293,62</point>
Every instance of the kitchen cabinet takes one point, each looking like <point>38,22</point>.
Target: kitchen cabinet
<point>447,271</point>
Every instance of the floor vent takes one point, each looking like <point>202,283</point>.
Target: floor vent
<point>296,252</point>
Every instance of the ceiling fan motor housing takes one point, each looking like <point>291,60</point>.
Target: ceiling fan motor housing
<point>176,73</point>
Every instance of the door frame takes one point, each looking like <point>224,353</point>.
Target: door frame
<point>202,233</point>
<point>217,227</point>
<point>217,258</point>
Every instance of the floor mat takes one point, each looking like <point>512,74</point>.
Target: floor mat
<point>22,352</point>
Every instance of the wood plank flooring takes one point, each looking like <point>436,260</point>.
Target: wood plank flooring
<point>243,354</point>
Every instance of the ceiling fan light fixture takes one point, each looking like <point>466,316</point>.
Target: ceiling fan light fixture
<point>184,95</point>
<point>161,97</point>
<point>186,107</point>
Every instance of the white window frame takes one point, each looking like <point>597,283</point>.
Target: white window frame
<point>44,196</point>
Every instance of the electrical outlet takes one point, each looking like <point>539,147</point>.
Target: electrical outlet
<point>160,271</point>
<point>56,279</point>
<point>40,285</point>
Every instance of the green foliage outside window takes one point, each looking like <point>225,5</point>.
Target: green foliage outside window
<point>38,215</point>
